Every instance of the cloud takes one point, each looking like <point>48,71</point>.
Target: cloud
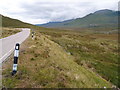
<point>42,11</point>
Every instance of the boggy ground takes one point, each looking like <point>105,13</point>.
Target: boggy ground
<point>63,59</point>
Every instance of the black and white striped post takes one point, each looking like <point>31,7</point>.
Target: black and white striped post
<point>32,35</point>
<point>16,54</point>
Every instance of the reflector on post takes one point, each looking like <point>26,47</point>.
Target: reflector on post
<point>16,54</point>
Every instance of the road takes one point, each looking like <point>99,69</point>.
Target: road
<point>7,44</point>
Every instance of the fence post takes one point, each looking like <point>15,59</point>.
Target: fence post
<point>16,54</point>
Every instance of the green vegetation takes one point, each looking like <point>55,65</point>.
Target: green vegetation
<point>45,64</point>
<point>103,18</point>
<point>9,22</point>
<point>85,58</point>
<point>97,52</point>
<point>8,31</point>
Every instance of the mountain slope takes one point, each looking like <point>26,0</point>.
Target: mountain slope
<point>45,64</point>
<point>9,22</point>
<point>101,18</point>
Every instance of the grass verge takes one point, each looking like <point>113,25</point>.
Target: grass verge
<point>44,63</point>
<point>8,31</point>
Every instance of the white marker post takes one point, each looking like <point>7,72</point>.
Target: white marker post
<point>16,54</point>
<point>32,35</point>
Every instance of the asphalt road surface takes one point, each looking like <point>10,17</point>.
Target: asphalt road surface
<point>7,44</point>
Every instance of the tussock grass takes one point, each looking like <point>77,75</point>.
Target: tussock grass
<point>97,52</point>
<point>8,31</point>
<point>45,64</point>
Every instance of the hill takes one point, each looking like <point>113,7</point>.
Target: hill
<point>63,59</point>
<point>43,63</point>
<point>101,18</point>
<point>9,22</point>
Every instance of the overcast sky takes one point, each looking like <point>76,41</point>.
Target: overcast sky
<point>42,11</point>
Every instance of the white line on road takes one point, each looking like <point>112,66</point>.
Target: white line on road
<point>6,55</point>
<point>7,44</point>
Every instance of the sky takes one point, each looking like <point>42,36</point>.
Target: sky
<point>43,11</point>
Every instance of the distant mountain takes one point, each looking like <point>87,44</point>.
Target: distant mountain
<point>101,18</point>
<point>9,22</point>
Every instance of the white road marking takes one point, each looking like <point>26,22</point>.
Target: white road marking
<point>7,44</point>
<point>5,55</point>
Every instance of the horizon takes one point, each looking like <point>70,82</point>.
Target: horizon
<point>41,12</point>
<point>59,21</point>
<point>74,18</point>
